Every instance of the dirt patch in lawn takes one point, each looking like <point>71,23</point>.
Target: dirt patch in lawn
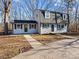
<point>48,38</point>
<point>11,46</point>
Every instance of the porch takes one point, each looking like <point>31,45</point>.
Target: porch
<point>24,27</point>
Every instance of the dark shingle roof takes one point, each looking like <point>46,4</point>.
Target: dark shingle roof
<point>24,21</point>
<point>52,11</point>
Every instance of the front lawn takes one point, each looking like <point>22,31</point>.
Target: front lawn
<point>10,46</point>
<point>48,38</point>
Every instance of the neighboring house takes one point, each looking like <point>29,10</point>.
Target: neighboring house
<point>45,22</point>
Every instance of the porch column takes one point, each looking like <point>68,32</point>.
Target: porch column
<point>55,27</point>
<point>23,27</point>
<point>28,26</point>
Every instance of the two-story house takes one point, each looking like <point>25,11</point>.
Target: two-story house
<point>44,22</point>
<point>51,21</point>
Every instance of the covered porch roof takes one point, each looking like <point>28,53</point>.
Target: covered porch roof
<point>24,21</point>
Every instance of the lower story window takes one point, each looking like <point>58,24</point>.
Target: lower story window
<point>18,26</point>
<point>62,26</point>
<point>45,25</point>
<point>59,26</point>
<point>32,26</point>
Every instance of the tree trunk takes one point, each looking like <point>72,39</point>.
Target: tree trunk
<point>76,18</point>
<point>6,23</point>
<point>68,12</point>
<point>6,28</point>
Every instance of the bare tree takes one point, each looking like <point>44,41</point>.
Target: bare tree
<point>76,13</point>
<point>5,4</point>
<point>69,5</point>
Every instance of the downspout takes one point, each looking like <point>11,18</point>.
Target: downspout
<point>56,23</point>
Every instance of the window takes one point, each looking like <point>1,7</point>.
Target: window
<point>53,16</point>
<point>59,26</point>
<point>45,25</point>
<point>65,17</point>
<point>32,26</point>
<point>18,26</point>
<point>47,14</point>
<point>65,24</point>
<point>59,16</point>
<point>62,26</point>
<point>43,12</point>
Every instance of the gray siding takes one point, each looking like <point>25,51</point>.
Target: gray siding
<point>39,17</point>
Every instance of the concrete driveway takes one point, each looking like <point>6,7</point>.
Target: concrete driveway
<point>64,49</point>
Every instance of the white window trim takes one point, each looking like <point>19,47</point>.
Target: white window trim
<point>47,14</point>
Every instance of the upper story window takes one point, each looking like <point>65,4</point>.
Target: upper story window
<point>47,14</point>
<point>53,16</point>
<point>59,16</point>
<point>43,12</point>
<point>65,17</point>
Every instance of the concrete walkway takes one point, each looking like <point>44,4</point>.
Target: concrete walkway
<point>34,43</point>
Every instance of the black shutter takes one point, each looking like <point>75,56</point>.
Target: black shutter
<point>15,26</point>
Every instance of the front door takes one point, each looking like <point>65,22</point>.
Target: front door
<point>52,27</point>
<point>26,28</point>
